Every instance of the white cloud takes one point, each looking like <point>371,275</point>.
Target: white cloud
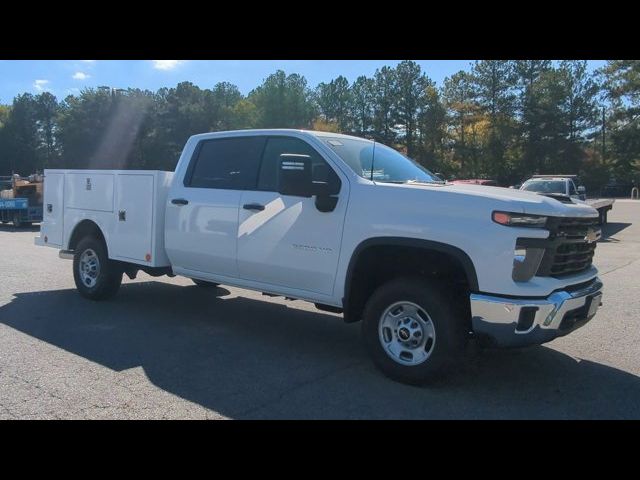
<point>166,64</point>
<point>41,85</point>
<point>80,76</point>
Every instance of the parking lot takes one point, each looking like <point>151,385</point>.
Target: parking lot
<point>164,348</point>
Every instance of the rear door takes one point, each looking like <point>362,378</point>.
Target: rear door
<point>201,223</point>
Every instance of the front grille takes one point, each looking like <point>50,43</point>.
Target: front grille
<point>568,251</point>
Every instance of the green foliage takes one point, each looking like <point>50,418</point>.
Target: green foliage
<point>413,90</point>
<point>502,119</point>
<point>283,101</point>
<point>361,109</point>
<point>385,100</point>
<point>19,142</point>
<point>334,102</point>
<point>622,89</point>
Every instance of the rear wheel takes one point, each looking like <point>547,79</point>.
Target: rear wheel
<point>411,330</point>
<point>16,221</point>
<point>204,283</point>
<point>96,277</point>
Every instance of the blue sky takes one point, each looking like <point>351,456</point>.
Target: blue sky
<point>64,77</point>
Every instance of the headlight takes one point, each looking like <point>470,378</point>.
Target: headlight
<point>519,219</point>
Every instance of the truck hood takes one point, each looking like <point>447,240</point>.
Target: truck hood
<point>513,200</point>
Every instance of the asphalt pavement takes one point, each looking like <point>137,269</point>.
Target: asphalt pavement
<point>164,348</point>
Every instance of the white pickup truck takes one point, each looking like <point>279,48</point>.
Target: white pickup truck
<point>346,223</point>
<point>564,189</point>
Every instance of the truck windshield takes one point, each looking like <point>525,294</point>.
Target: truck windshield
<point>388,164</point>
<point>545,186</point>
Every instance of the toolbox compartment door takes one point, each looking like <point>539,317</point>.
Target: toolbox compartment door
<point>133,235</point>
<point>53,209</point>
<point>90,191</point>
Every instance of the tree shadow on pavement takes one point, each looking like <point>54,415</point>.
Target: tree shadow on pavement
<point>246,358</point>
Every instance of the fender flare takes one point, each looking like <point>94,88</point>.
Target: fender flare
<point>455,252</point>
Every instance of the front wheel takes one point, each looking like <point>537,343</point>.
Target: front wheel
<point>411,330</point>
<point>96,277</point>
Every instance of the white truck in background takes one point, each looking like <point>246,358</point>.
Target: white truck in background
<point>566,188</point>
<point>345,223</point>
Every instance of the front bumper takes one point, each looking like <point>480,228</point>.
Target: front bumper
<point>510,322</point>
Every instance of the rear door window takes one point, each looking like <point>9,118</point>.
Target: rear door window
<point>226,163</point>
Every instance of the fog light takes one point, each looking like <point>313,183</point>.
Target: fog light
<point>519,255</point>
<point>526,262</point>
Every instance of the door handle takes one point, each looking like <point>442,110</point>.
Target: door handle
<point>179,201</point>
<point>253,206</point>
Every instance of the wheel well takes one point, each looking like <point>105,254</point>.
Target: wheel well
<point>83,229</point>
<point>377,264</point>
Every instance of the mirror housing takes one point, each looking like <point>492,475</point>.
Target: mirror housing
<point>294,175</point>
<point>295,178</point>
<point>582,193</point>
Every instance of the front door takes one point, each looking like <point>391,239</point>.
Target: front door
<point>285,240</point>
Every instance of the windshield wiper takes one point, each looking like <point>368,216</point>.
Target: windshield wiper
<point>406,182</point>
<point>424,182</point>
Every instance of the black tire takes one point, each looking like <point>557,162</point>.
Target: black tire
<point>204,283</point>
<point>109,276</point>
<point>16,221</point>
<point>445,350</point>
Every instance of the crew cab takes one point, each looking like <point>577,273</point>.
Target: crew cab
<point>563,188</point>
<point>348,224</point>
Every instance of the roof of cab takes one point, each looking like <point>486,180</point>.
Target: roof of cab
<point>545,179</point>
<point>276,131</point>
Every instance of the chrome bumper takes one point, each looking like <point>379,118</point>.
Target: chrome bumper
<point>517,322</point>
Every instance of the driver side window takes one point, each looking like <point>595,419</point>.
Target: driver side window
<point>276,146</point>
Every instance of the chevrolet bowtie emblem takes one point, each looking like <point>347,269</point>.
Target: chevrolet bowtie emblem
<point>592,235</point>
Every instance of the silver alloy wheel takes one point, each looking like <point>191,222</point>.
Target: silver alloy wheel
<point>407,333</point>
<point>89,268</point>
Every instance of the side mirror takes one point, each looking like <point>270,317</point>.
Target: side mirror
<point>294,175</point>
<point>581,189</point>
